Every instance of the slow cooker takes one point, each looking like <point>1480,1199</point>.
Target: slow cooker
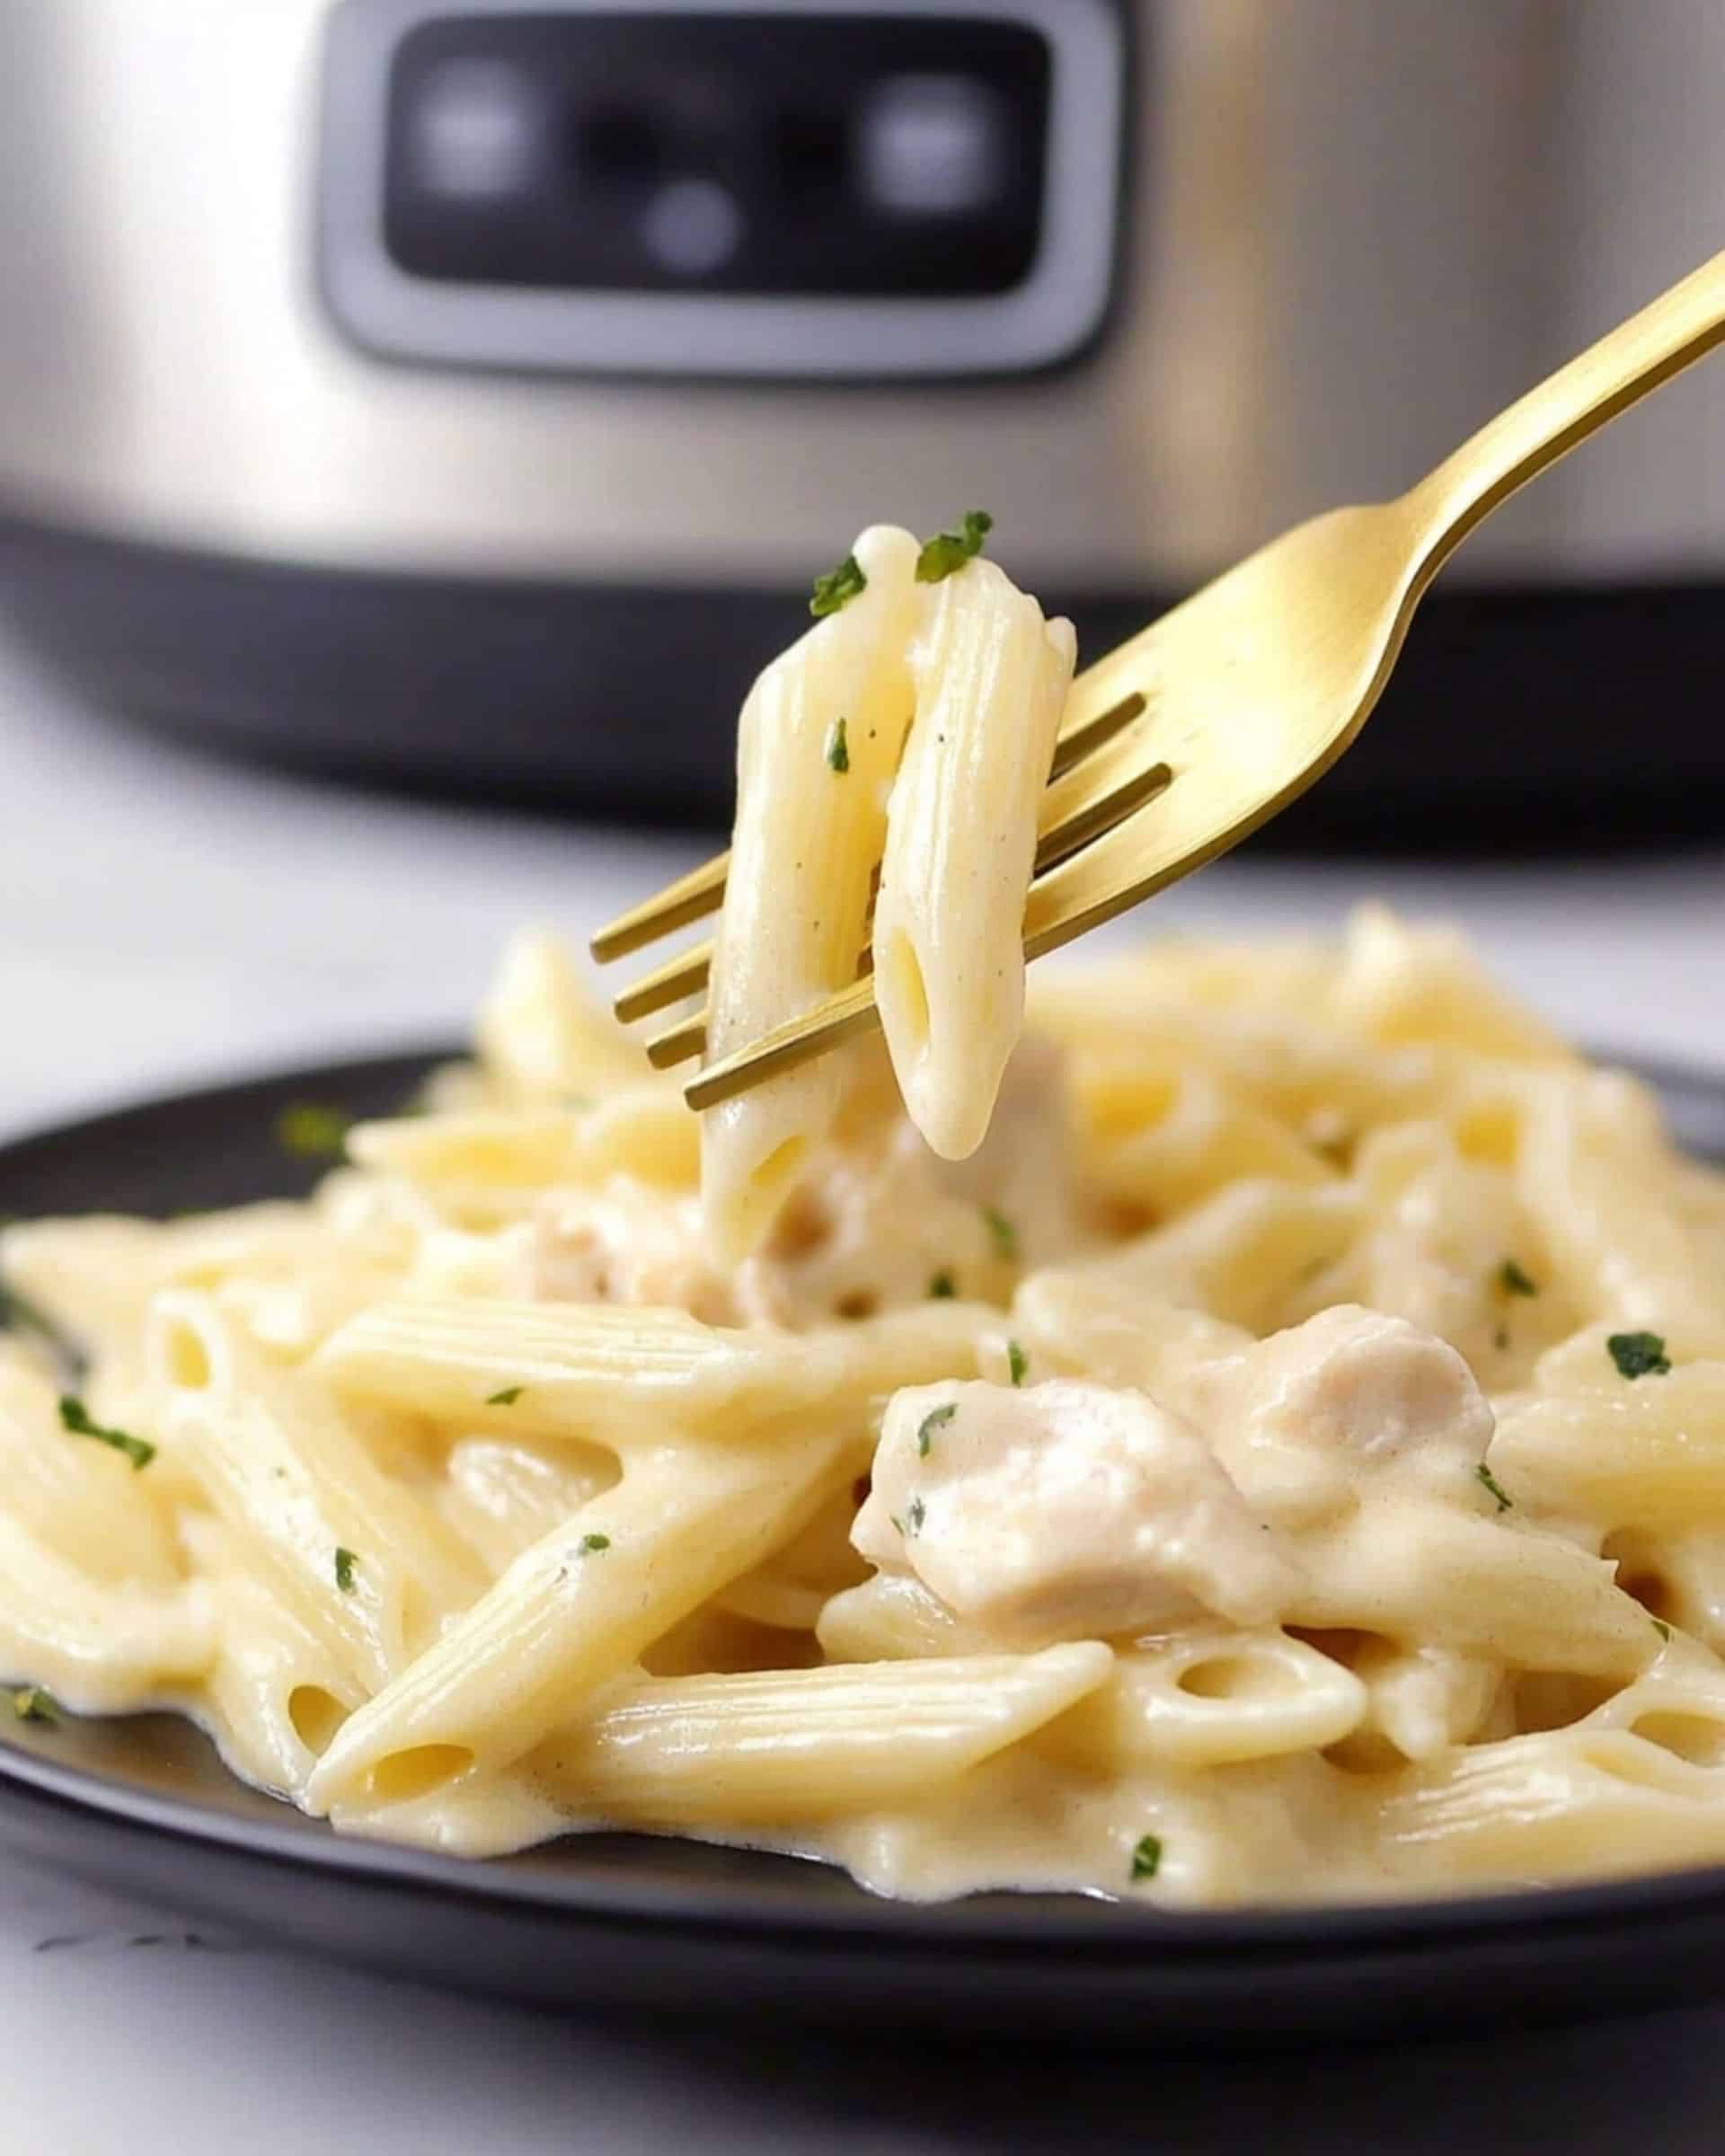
<point>465,395</point>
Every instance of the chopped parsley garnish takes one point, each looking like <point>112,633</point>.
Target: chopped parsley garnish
<point>1514,1280</point>
<point>1492,1483</point>
<point>1005,1235</point>
<point>839,748</point>
<point>345,1560</point>
<point>590,1542</point>
<point>935,1420</point>
<point>942,1285</point>
<point>1500,1337</point>
<point>1146,1858</point>
<point>1661,1628</point>
<point>837,587</point>
<point>1638,1354</point>
<point>32,1704</point>
<point>314,1132</point>
<point>947,552</point>
<point>75,1417</point>
<point>915,1514</point>
<point>1017,1363</point>
<point>506,1397</point>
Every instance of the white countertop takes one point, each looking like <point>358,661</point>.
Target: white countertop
<point>165,919</point>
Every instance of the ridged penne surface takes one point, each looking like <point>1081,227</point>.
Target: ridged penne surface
<point>783,1745</point>
<point>616,1374</point>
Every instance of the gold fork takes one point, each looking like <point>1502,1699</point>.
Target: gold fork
<point>1185,739</point>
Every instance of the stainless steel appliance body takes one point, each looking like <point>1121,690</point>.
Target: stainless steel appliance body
<point>335,415</point>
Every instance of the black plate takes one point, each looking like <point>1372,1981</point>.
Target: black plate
<point>625,1921</point>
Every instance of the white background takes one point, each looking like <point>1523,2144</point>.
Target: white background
<point>166,919</point>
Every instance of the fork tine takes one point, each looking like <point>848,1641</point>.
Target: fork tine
<point>685,975</point>
<point>850,1010</point>
<point>1127,863</point>
<point>1079,737</point>
<point>1110,785</point>
<point>840,1017</point>
<point>684,1040</point>
<point>1101,784</point>
<point>701,891</point>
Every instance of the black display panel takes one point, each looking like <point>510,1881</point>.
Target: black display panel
<point>772,154</point>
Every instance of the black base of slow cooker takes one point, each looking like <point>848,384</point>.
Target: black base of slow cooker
<point>1517,719</point>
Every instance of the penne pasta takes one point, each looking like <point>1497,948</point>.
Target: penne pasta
<point>991,678</point>
<point>1260,1438</point>
<point>98,1649</point>
<point>816,749</point>
<point>787,1745</point>
<point>445,1533</point>
<point>363,1564</point>
<point>572,1612</point>
<point>616,1375</point>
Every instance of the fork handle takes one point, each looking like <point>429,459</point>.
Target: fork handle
<point>1678,327</point>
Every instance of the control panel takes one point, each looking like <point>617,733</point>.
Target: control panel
<point>790,189</point>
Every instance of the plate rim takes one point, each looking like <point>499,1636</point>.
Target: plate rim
<point>998,1920</point>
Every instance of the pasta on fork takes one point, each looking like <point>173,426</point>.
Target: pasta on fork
<point>911,729</point>
<point>1258,1436</point>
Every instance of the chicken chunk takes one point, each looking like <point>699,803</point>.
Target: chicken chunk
<point>879,1223</point>
<point>625,1243</point>
<point>881,1215</point>
<point>1348,1389</point>
<point>1063,1510</point>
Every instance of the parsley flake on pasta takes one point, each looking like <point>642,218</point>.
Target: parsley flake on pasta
<point>837,589</point>
<point>948,551</point>
<point>1146,1858</point>
<point>1638,1355</point>
<point>1491,1482</point>
<point>936,1418</point>
<point>75,1417</point>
